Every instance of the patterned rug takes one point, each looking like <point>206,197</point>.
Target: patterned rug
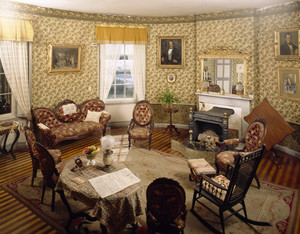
<point>271,203</point>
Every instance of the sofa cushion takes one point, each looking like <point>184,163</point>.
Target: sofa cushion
<point>96,105</point>
<point>93,116</point>
<point>76,129</point>
<point>46,117</point>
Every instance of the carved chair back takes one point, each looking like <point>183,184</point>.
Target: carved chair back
<point>255,135</point>
<point>142,113</point>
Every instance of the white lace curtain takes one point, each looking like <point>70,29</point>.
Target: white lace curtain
<point>137,69</point>
<point>14,58</point>
<point>109,58</point>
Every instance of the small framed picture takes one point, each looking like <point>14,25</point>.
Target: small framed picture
<point>64,58</point>
<point>287,43</point>
<point>170,52</point>
<point>171,78</point>
<point>289,83</point>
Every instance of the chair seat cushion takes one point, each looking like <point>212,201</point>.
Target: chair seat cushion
<point>56,154</point>
<point>226,157</point>
<point>221,180</point>
<point>201,166</point>
<point>139,133</point>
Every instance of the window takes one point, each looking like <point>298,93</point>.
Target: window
<point>6,99</point>
<point>223,74</point>
<point>122,86</point>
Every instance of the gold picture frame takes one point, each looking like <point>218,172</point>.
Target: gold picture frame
<point>171,78</point>
<point>64,58</point>
<point>167,58</point>
<point>289,83</point>
<point>287,43</point>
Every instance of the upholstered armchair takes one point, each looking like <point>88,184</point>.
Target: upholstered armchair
<point>166,210</point>
<point>31,140</point>
<point>254,138</point>
<point>141,125</point>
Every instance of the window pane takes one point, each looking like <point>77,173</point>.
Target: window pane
<point>5,104</point>
<point>128,63</point>
<point>129,91</point>
<point>111,93</point>
<point>4,87</point>
<point>119,91</point>
<point>120,77</point>
<point>128,78</point>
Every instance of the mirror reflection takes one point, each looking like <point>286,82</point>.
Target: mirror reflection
<point>224,71</point>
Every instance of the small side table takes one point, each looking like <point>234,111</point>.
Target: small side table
<point>171,126</point>
<point>6,128</point>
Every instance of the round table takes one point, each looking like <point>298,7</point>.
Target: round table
<point>171,126</point>
<point>6,128</point>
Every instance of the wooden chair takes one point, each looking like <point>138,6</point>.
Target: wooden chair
<point>31,140</point>
<point>227,192</point>
<point>253,140</point>
<point>166,210</point>
<point>141,125</point>
<point>49,171</point>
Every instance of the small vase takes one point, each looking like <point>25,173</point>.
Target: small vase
<point>91,159</point>
<point>108,158</point>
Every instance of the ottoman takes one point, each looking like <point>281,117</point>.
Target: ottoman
<point>198,167</point>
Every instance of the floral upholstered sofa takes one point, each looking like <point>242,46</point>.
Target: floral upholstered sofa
<point>68,120</point>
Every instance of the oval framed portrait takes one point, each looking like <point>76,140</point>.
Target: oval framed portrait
<point>171,78</point>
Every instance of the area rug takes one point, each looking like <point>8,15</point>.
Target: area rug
<point>271,203</point>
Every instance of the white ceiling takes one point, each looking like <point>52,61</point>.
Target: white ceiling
<point>153,8</point>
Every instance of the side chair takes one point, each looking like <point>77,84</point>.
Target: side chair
<point>141,125</point>
<point>49,171</point>
<point>254,139</point>
<point>31,140</point>
<point>166,210</point>
<point>226,193</point>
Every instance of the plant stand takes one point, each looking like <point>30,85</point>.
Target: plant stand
<point>171,126</point>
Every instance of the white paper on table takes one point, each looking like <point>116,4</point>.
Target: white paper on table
<point>114,182</point>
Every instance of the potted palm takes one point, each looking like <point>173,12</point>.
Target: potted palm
<point>167,98</point>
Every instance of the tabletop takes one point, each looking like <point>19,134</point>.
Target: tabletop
<point>114,211</point>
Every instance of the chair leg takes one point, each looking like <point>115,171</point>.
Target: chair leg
<point>149,143</point>
<point>217,168</point>
<point>244,208</point>
<point>257,180</point>
<point>194,199</point>
<point>43,193</point>
<point>129,142</point>
<point>34,172</point>
<point>53,200</point>
<point>222,220</point>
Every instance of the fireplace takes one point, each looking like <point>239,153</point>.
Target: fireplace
<point>215,120</point>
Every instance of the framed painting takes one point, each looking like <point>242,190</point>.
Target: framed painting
<point>64,58</point>
<point>171,78</point>
<point>289,83</point>
<point>170,52</point>
<point>287,43</point>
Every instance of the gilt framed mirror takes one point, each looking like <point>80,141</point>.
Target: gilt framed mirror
<point>224,68</point>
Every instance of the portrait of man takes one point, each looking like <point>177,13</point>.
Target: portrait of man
<point>171,52</point>
<point>288,43</point>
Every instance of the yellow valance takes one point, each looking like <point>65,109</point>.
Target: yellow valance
<point>121,35</point>
<point>15,30</point>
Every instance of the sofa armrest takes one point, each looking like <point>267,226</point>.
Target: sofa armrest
<point>105,117</point>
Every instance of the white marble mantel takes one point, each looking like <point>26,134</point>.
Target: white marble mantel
<point>240,105</point>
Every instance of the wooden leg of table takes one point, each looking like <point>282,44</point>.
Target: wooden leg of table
<point>276,157</point>
<point>14,142</point>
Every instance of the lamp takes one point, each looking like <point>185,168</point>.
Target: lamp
<point>107,143</point>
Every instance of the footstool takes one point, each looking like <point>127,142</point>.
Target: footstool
<point>200,166</point>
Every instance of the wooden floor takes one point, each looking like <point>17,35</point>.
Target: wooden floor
<point>17,218</point>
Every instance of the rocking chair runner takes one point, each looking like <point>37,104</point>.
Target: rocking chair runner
<point>226,193</point>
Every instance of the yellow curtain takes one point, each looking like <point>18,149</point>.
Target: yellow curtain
<point>121,35</point>
<point>15,30</point>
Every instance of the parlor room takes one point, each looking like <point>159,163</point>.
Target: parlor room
<point>150,117</point>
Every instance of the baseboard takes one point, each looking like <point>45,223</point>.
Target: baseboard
<point>287,150</point>
<point>160,125</point>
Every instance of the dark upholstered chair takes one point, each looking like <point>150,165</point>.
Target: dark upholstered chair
<point>166,210</point>
<point>49,171</point>
<point>254,139</point>
<point>31,140</point>
<point>141,125</point>
<point>226,193</point>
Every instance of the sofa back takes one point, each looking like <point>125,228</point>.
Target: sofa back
<point>67,111</point>
<point>96,105</point>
